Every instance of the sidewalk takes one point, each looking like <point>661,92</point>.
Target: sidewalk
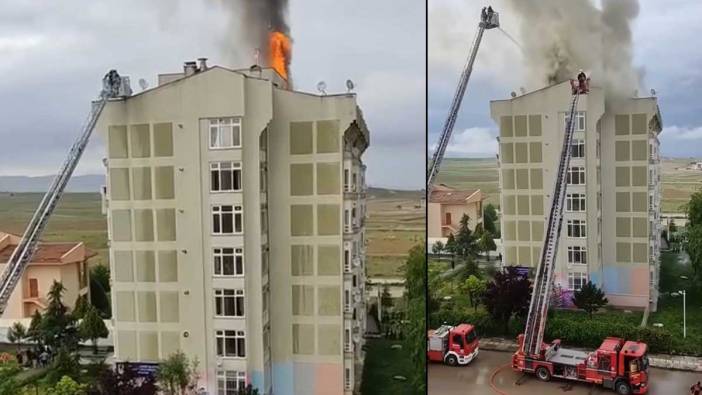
<point>662,361</point>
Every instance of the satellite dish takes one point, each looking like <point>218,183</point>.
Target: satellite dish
<point>322,87</point>
<point>349,85</point>
<point>653,92</point>
<point>143,84</point>
<point>513,94</point>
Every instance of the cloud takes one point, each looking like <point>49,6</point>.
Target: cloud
<point>677,133</point>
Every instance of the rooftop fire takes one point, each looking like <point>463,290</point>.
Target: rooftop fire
<point>279,53</point>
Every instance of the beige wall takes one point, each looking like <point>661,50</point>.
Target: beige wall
<point>437,215</point>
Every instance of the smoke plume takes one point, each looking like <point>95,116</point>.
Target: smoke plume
<point>254,20</point>
<point>561,37</point>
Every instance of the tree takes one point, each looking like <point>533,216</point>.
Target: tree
<point>67,386</point>
<point>465,240</point>
<point>508,294</point>
<point>694,248</point>
<point>125,381</point>
<point>249,390</point>
<point>9,368</point>
<point>415,331</point>
<point>589,298</point>
<point>81,306</point>
<point>65,363</point>
<point>486,243</point>
<point>16,334</point>
<point>176,373</point>
<point>475,288</point>
<point>92,327</point>
<point>100,289</point>
<point>437,248</point>
<point>489,219</point>
<point>34,331</point>
<point>58,327</point>
<point>451,248</point>
<point>672,227</point>
<point>694,209</point>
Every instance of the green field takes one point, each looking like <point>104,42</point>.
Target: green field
<point>395,224</point>
<point>78,217</point>
<point>381,364</point>
<point>677,184</point>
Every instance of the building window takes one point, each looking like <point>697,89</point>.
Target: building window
<point>225,176</point>
<point>576,175</point>
<point>227,219</point>
<point>228,261</point>
<point>229,302</point>
<point>576,281</point>
<point>230,382</point>
<point>576,228</point>
<point>579,121</point>
<point>225,133</point>
<point>231,344</point>
<point>577,149</point>
<point>575,202</point>
<point>347,379</point>
<point>577,255</point>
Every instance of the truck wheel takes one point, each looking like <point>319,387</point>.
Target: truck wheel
<point>543,374</point>
<point>623,388</point>
<point>451,360</point>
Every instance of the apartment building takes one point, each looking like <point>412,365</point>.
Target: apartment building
<point>447,207</point>
<point>66,263</point>
<point>610,232</point>
<point>236,224</point>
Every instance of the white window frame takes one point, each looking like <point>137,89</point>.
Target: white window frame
<point>222,336</point>
<point>220,296</point>
<point>576,171</point>
<point>577,147</point>
<point>348,379</point>
<point>580,224</point>
<point>218,218</point>
<point>223,167</point>
<point>575,202</point>
<point>237,257</point>
<point>579,121</point>
<point>577,255</point>
<point>582,277</point>
<point>217,130</point>
<point>224,377</point>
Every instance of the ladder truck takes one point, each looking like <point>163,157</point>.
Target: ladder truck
<point>488,20</point>
<point>617,364</point>
<point>113,86</point>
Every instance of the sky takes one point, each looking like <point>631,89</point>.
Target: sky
<point>666,45</point>
<point>54,55</point>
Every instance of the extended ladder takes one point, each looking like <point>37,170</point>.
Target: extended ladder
<point>538,307</point>
<point>488,21</point>
<point>27,246</point>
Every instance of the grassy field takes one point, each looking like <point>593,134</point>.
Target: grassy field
<point>77,218</point>
<point>464,173</point>
<point>395,224</point>
<point>381,364</point>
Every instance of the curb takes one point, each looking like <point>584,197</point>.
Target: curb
<point>662,361</point>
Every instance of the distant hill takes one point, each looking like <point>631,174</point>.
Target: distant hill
<point>86,183</point>
<point>383,193</point>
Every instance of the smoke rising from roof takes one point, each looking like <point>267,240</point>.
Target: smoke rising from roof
<point>561,37</point>
<point>254,20</point>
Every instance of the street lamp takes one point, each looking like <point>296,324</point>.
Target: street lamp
<point>684,312</point>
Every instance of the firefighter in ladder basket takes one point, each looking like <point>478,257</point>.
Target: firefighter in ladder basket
<point>582,84</point>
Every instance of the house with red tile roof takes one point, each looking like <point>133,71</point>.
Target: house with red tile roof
<point>65,262</point>
<point>448,205</point>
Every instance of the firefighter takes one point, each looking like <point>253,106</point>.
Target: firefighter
<point>483,15</point>
<point>582,79</point>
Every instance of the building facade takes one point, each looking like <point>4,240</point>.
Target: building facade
<point>236,225</point>
<point>447,206</point>
<point>66,263</point>
<point>610,232</point>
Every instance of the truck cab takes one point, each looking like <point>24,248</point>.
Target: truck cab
<point>453,345</point>
<point>619,365</point>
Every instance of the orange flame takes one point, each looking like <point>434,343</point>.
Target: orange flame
<point>279,53</point>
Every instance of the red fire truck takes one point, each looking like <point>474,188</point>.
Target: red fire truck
<point>453,345</point>
<point>619,365</point>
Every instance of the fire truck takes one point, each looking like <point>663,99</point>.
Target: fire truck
<point>453,345</point>
<point>618,364</point>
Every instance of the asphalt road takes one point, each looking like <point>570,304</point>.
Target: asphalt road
<point>474,379</point>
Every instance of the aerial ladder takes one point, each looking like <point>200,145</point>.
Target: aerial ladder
<point>543,281</point>
<point>112,86</point>
<point>488,20</point>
